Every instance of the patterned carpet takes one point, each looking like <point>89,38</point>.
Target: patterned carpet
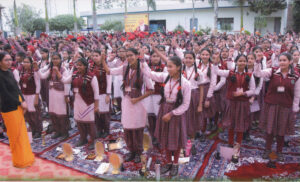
<point>187,171</point>
<point>202,166</point>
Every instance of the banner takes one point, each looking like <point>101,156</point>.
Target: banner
<point>137,22</point>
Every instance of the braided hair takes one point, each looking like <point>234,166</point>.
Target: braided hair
<point>233,77</point>
<point>209,61</point>
<point>51,64</point>
<point>179,98</point>
<point>86,64</point>
<point>31,67</point>
<point>194,64</point>
<point>137,83</point>
<point>289,57</point>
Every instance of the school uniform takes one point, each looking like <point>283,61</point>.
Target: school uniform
<point>43,66</point>
<point>152,102</point>
<point>281,104</point>
<point>258,101</point>
<point>219,91</point>
<point>85,97</point>
<point>236,116</point>
<point>193,117</point>
<point>208,84</point>
<point>30,86</point>
<point>134,116</point>
<point>57,105</point>
<point>102,119</point>
<point>297,68</point>
<point>281,100</point>
<point>171,135</point>
<point>117,80</point>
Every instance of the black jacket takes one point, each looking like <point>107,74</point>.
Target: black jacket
<point>9,92</point>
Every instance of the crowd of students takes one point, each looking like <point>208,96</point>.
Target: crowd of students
<point>180,86</point>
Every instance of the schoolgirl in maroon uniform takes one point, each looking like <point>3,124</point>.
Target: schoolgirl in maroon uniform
<point>102,119</point>
<point>257,98</point>
<point>208,83</point>
<point>219,91</point>
<point>86,104</point>
<point>30,86</point>
<point>170,125</point>
<point>118,79</point>
<point>194,115</point>
<point>134,114</point>
<point>57,95</point>
<point>241,86</point>
<point>44,82</point>
<point>152,102</point>
<point>281,102</point>
<point>268,53</point>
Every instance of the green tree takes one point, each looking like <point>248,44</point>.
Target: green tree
<point>296,16</point>
<point>25,16</point>
<point>38,24</point>
<point>114,25</point>
<point>265,8</point>
<point>65,22</point>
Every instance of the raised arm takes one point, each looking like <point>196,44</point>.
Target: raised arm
<point>43,75</point>
<point>217,71</point>
<point>163,57</point>
<point>220,84</point>
<point>266,73</point>
<point>155,76</point>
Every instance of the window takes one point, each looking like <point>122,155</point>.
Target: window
<point>225,24</point>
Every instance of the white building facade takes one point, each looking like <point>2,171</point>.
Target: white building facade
<point>170,14</point>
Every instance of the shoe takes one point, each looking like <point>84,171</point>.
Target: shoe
<point>209,126</point>
<point>104,135</point>
<point>81,143</point>
<point>99,134</point>
<point>214,127</point>
<point>129,157</point>
<point>65,136</point>
<point>165,168</point>
<point>266,154</point>
<point>174,170</point>
<point>246,137</point>
<point>197,136</point>
<point>37,135</point>
<point>137,158</point>
<point>193,150</point>
<point>286,144</point>
<point>91,146</point>
<point>55,136</point>
<point>49,129</point>
<point>202,138</point>
<point>2,136</point>
<point>280,157</point>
